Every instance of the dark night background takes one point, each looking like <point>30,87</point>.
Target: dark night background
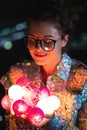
<point>14,12</point>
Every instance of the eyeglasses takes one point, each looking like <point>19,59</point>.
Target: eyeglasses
<point>45,44</point>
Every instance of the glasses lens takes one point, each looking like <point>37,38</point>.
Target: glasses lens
<point>31,43</point>
<point>48,45</point>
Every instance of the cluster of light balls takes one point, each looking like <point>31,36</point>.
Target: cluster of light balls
<point>25,101</point>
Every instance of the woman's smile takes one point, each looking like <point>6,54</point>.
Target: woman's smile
<point>40,55</point>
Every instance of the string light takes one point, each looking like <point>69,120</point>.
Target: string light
<point>35,116</point>
<point>16,92</point>
<point>5,102</point>
<point>25,101</point>
<point>20,107</point>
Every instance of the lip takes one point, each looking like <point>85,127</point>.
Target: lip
<point>40,55</point>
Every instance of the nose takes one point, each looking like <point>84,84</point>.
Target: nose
<point>38,44</point>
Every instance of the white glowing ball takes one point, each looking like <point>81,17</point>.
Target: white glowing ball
<point>16,92</point>
<point>49,104</point>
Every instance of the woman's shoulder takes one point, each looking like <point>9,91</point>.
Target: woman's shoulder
<point>78,76</point>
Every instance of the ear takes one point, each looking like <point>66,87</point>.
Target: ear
<point>65,40</point>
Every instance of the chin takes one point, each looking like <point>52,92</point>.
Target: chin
<point>40,62</point>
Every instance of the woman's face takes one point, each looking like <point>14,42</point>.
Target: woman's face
<point>45,30</point>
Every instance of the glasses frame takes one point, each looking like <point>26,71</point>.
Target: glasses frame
<point>41,41</point>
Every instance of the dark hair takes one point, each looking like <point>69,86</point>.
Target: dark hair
<point>52,11</point>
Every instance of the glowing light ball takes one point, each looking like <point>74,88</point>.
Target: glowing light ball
<point>35,116</point>
<point>44,92</point>
<point>25,82</point>
<point>16,92</point>
<point>20,107</point>
<point>49,104</point>
<point>5,102</point>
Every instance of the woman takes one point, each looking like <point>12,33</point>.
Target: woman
<point>49,31</point>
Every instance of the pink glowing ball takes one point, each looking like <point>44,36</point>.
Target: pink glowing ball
<point>44,92</point>
<point>20,107</point>
<point>25,82</point>
<point>5,102</point>
<point>35,116</point>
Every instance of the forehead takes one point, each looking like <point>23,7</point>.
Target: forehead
<point>42,28</point>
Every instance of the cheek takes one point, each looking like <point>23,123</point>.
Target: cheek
<point>58,48</point>
<point>54,54</point>
<point>31,52</point>
<point>57,51</point>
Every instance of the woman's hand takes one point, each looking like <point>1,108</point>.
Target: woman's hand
<point>14,74</point>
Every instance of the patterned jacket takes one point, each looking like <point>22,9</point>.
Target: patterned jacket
<point>68,83</point>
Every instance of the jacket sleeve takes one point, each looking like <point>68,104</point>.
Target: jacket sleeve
<point>82,115</point>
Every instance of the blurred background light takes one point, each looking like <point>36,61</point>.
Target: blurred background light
<point>8,45</point>
<point>10,34</point>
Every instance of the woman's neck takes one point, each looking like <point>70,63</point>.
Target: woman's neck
<point>48,69</point>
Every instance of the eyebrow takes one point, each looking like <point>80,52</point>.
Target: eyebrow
<point>33,36</point>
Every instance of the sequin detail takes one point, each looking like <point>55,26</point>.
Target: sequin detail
<point>57,84</point>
